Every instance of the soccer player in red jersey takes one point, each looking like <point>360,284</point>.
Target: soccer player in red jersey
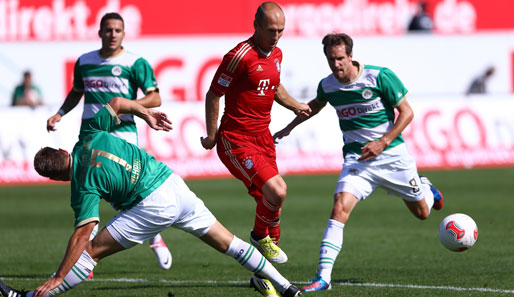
<point>249,78</point>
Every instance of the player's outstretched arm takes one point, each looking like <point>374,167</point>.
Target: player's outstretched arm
<point>77,243</point>
<point>315,106</point>
<point>283,98</point>
<point>151,99</point>
<point>212,106</point>
<point>72,99</point>
<point>157,120</point>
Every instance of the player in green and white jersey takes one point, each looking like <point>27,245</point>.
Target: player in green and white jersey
<point>109,72</point>
<point>365,98</point>
<point>148,194</point>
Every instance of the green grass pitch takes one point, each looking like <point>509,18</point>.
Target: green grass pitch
<point>386,250</point>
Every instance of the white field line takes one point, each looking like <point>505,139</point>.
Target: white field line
<point>178,282</point>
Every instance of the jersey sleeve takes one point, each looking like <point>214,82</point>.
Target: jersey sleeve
<point>391,87</point>
<point>85,204</point>
<point>228,71</point>
<point>104,120</point>
<point>78,81</point>
<point>144,76</point>
<point>320,93</point>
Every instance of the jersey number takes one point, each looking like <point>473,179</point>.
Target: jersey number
<point>415,187</point>
<point>95,163</point>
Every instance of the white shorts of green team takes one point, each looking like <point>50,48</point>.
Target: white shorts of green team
<point>172,204</point>
<point>394,170</point>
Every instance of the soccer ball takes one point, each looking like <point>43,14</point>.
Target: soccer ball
<point>458,232</point>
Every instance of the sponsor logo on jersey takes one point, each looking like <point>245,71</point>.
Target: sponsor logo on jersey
<point>367,94</point>
<point>263,86</point>
<point>259,68</point>
<point>352,111</point>
<point>224,80</point>
<point>248,162</point>
<point>106,84</point>
<point>116,70</point>
<point>277,63</point>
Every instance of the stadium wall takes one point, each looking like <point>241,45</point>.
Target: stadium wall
<point>447,132</point>
<point>427,64</point>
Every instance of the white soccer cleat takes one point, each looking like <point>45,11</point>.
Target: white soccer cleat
<point>162,253</point>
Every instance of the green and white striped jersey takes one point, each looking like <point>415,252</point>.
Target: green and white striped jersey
<point>101,79</point>
<point>108,167</point>
<point>364,106</point>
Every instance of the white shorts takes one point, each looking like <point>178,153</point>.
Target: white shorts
<point>399,177</point>
<point>171,204</point>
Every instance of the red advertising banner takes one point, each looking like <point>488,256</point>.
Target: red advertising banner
<point>78,20</point>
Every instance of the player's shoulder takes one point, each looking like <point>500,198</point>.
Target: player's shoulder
<point>91,57</point>
<point>242,48</point>
<point>329,83</point>
<point>376,69</point>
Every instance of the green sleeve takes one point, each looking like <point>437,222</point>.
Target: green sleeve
<point>391,87</point>
<point>144,75</point>
<point>104,120</point>
<point>320,94</point>
<point>85,205</point>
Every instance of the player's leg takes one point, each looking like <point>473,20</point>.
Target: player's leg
<point>267,215</point>
<point>247,160</point>
<point>161,251</point>
<point>332,241</point>
<point>355,183</point>
<point>101,246</point>
<point>225,242</point>
<point>401,178</point>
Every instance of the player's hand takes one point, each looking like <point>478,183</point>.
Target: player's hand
<point>50,123</point>
<point>372,149</point>
<point>208,142</point>
<point>43,289</point>
<point>281,134</point>
<point>304,110</point>
<point>158,120</point>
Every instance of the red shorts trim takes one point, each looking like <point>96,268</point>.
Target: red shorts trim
<point>251,159</point>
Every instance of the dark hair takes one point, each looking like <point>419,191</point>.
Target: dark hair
<point>333,39</point>
<point>50,162</point>
<point>110,16</point>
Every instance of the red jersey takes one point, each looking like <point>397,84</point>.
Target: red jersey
<point>249,80</point>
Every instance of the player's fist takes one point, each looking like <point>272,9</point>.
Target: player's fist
<point>50,123</point>
<point>208,142</point>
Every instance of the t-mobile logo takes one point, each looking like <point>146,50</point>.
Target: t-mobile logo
<point>263,86</point>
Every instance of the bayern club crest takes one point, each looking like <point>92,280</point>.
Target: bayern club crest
<point>248,162</point>
<point>277,63</point>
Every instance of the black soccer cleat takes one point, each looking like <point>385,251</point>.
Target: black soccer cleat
<point>7,291</point>
<point>292,291</point>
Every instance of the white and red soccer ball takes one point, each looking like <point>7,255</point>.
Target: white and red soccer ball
<point>458,232</point>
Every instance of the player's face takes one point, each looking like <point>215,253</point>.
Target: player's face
<point>340,63</point>
<point>269,32</point>
<point>112,34</point>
